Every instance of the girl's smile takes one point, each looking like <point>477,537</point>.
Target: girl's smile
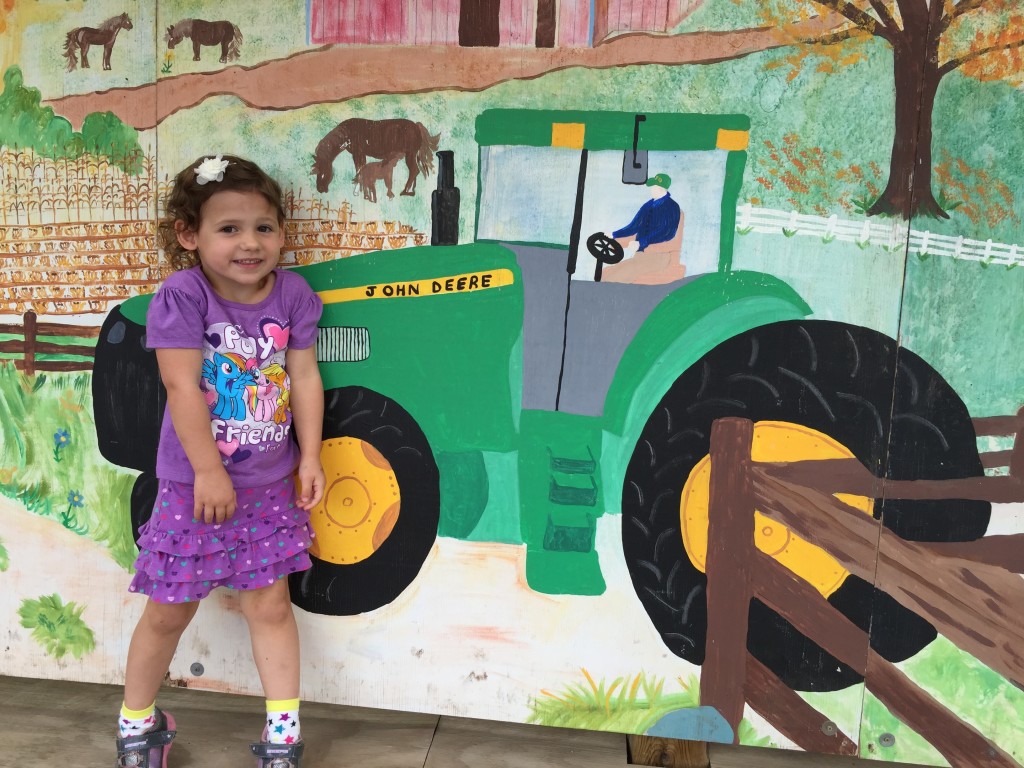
<point>239,243</point>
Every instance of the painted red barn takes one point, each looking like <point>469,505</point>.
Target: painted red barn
<point>506,23</point>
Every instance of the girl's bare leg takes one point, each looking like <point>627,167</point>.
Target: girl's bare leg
<point>152,647</point>
<point>275,639</point>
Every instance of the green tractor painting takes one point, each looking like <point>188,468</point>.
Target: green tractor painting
<point>559,370</point>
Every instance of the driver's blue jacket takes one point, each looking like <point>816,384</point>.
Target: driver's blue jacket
<point>655,222</point>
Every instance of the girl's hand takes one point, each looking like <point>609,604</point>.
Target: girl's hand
<point>214,496</point>
<point>311,483</point>
<point>181,371</point>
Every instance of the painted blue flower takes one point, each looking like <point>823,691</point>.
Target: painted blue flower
<point>68,519</point>
<point>61,439</point>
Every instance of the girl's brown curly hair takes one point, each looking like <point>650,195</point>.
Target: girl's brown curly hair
<point>185,202</point>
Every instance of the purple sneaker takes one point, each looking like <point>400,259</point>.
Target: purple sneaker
<point>277,755</point>
<point>149,749</point>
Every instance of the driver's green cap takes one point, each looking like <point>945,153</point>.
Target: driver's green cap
<point>661,180</point>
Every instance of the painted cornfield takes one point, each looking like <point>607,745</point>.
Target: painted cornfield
<point>77,236</point>
<point>38,190</point>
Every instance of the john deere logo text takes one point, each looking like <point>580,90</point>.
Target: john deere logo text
<point>464,283</point>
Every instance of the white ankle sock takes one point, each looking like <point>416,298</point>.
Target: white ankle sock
<point>134,722</point>
<point>283,721</point>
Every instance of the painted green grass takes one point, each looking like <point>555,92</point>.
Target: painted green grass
<point>626,705</point>
<point>976,694</point>
<point>5,561</point>
<point>50,462</point>
<point>962,684</point>
<point>629,704</point>
<point>57,627</point>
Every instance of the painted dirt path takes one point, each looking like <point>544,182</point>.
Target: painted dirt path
<point>340,73</point>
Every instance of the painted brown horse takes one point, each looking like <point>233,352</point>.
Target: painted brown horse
<point>376,138</point>
<point>200,32</point>
<point>376,170</point>
<point>81,38</point>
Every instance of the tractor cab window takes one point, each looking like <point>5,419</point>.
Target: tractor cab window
<point>528,195</point>
<point>695,183</point>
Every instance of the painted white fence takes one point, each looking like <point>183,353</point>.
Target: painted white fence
<point>890,234</point>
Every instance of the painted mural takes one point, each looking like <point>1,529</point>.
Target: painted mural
<point>671,353</point>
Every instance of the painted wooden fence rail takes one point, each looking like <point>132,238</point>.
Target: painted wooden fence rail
<point>890,234</point>
<point>950,585</point>
<point>29,346</point>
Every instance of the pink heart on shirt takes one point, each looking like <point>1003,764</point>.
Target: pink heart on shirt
<point>274,331</point>
<point>227,448</point>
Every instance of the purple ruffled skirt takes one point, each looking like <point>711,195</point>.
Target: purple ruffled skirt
<point>182,559</point>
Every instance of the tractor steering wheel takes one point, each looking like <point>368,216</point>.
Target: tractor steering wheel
<point>606,250</point>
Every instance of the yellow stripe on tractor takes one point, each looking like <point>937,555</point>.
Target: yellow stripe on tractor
<point>569,135</point>
<point>467,282</point>
<point>732,140</point>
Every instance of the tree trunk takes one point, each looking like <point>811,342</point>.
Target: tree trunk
<point>908,192</point>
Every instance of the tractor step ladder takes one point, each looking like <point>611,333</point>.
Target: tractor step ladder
<point>561,497</point>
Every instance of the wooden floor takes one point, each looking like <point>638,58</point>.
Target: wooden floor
<point>45,722</point>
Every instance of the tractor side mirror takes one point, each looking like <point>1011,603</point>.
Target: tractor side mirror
<point>634,166</point>
<point>634,161</point>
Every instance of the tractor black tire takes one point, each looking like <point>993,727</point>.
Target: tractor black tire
<point>345,590</point>
<point>143,499</point>
<point>127,394</point>
<point>884,403</point>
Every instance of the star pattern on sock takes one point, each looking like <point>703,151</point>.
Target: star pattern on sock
<point>130,727</point>
<point>283,727</point>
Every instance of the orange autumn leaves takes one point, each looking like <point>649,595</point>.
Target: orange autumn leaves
<point>814,180</point>
<point>1001,38</point>
<point>985,40</point>
<point>975,192</point>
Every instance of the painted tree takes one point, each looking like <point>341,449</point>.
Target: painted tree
<point>25,124</point>
<point>929,39</point>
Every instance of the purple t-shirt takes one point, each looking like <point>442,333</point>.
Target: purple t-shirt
<point>243,377</point>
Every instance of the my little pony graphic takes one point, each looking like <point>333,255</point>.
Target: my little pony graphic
<point>279,378</point>
<point>263,395</point>
<point>230,374</point>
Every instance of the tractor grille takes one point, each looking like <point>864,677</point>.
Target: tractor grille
<point>342,344</point>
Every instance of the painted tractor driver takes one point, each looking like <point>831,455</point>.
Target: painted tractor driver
<point>652,240</point>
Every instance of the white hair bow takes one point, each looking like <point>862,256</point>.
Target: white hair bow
<point>211,169</point>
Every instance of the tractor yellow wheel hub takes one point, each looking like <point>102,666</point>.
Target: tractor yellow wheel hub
<point>773,441</point>
<point>361,503</point>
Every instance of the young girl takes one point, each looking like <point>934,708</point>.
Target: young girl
<point>226,327</point>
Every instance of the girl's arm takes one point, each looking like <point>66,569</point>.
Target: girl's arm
<point>180,370</point>
<point>307,403</point>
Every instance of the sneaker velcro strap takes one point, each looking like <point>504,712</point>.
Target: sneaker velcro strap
<point>146,741</point>
<point>266,750</point>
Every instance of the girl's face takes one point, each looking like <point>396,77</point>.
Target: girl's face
<point>239,243</point>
